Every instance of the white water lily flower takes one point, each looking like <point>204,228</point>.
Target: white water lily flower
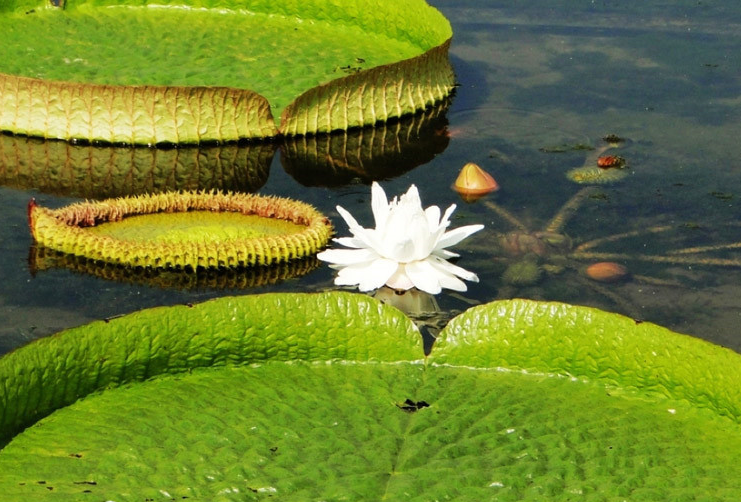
<point>405,250</point>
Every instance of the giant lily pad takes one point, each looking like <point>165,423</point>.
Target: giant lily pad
<point>192,71</point>
<point>184,229</point>
<point>324,397</point>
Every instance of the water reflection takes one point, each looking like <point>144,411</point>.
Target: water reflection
<point>368,154</point>
<point>421,307</point>
<point>65,169</point>
<point>97,172</point>
<point>42,259</point>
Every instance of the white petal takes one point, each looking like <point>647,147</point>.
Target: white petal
<point>424,241</point>
<point>424,276</point>
<point>350,242</point>
<point>399,279</point>
<point>347,256</point>
<point>445,221</point>
<point>411,198</point>
<point>401,251</point>
<point>364,235</point>
<point>350,276</point>
<point>379,205</point>
<point>351,222</point>
<point>396,225</point>
<point>367,276</point>
<point>452,282</point>
<point>433,217</point>
<point>446,279</point>
<point>438,229</point>
<point>445,266</point>
<point>456,235</point>
<point>397,241</point>
<point>381,270</point>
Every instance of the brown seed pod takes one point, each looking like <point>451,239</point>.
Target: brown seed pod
<point>473,182</point>
<point>606,271</point>
<point>610,161</point>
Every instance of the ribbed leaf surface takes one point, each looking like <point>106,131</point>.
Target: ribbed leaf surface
<point>338,408</point>
<point>180,230</point>
<point>195,71</point>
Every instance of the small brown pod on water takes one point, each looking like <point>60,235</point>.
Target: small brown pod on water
<point>610,161</point>
<point>606,271</point>
<point>473,183</point>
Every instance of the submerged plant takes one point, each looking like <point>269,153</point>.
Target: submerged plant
<point>188,229</point>
<point>406,249</point>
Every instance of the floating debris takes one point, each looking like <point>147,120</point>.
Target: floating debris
<point>566,148</point>
<point>411,406</point>
<point>722,195</point>
<point>611,161</point>
<point>594,175</point>
<point>612,138</point>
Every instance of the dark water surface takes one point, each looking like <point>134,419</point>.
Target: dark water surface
<point>538,81</point>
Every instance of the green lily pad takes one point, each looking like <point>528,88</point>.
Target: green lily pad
<point>179,230</point>
<point>309,397</point>
<point>192,71</point>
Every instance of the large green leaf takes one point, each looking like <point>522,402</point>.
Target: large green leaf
<point>588,343</point>
<point>339,408</point>
<point>191,71</point>
<point>56,371</point>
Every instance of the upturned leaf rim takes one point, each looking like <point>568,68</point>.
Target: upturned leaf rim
<point>67,230</point>
<point>171,114</point>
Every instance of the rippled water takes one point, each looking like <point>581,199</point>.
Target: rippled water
<point>536,79</point>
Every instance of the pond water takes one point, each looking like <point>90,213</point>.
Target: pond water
<point>539,80</point>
